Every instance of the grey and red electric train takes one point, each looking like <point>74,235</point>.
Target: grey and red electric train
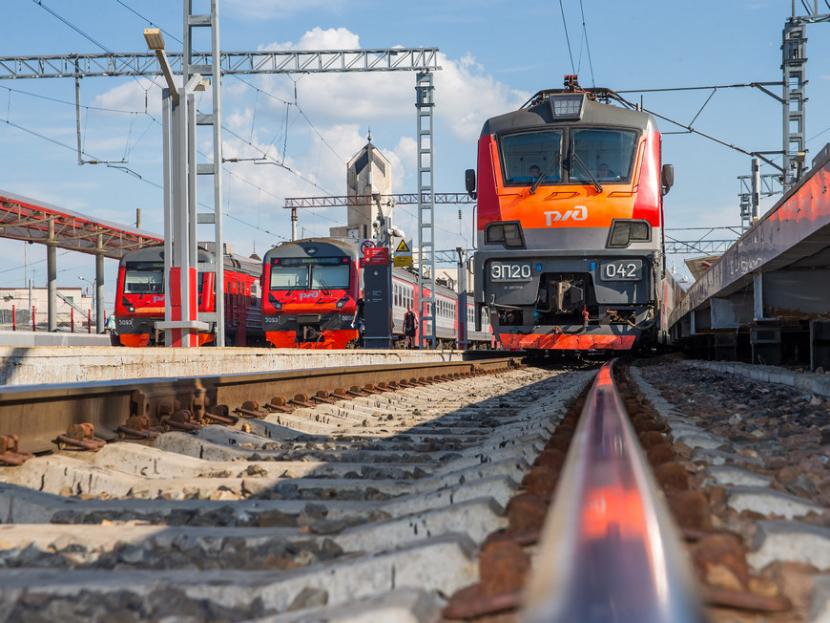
<point>570,223</point>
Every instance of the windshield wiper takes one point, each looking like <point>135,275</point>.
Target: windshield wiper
<point>581,163</point>
<point>538,181</point>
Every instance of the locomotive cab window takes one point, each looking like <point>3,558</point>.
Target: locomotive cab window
<point>606,154</point>
<point>531,155</point>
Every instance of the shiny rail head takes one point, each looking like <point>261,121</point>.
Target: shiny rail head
<point>609,550</point>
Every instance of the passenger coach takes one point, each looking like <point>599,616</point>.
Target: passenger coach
<point>569,223</point>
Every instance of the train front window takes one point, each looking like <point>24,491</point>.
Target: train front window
<point>335,277</point>
<point>144,278</point>
<point>310,273</point>
<point>289,277</point>
<point>608,154</point>
<point>527,156</point>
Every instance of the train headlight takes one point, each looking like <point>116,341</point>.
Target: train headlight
<point>342,302</point>
<point>564,107</point>
<point>507,234</point>
<point>624,232</point>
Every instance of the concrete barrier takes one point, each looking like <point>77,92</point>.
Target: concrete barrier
<point>44,338</point>
<point>21,365</point>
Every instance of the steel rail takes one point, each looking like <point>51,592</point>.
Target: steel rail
<point>609,550</point>
<point>37,414</point>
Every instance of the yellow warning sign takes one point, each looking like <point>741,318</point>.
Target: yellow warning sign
<point>402,261</point>
<point>402,247</point>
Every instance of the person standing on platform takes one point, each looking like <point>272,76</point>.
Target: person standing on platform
<point>357,321</point>
<point>410,327</point>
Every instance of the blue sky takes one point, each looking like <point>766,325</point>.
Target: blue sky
<point>494,54</point>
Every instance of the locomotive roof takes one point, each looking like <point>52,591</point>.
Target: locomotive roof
<point>155,253</point>
<point>323,247</point>
<point>538,113</point>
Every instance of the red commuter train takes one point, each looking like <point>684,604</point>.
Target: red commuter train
<point>310,290</point>
<point>570,223</point>
<point>139,299</point>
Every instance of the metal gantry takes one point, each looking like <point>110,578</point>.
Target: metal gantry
<point>794,66</point>
<point>700,244</point>
<point>424,105</point>
<point>230,63</point>
<point>398,198</point>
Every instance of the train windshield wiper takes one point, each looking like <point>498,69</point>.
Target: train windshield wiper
<point>538,181</point>
<point>575,156</point>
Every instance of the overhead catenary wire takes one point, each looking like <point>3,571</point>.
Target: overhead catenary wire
<point>258,91</point>
<point>567,37</point>
<point>587,44</point>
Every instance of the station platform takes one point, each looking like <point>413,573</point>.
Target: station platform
<point>28,339</point>
<point>765,300</point>
<point>75,364</point>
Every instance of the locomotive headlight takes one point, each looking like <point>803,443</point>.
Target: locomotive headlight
<point>624,232</point>
<point>508,234</point>
<point>567,106</point>
<point>342,302</point>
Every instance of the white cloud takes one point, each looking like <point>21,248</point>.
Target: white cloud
<point>133,96</point>
<point>465,95</point>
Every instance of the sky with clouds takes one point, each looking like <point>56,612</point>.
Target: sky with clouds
<point>494,54</point>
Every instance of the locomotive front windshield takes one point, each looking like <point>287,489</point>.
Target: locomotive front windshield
<point>144,278</point>
<point>310,273</point>
<point>607,154</point>
<point>601,154</point>
<point>528,155</point>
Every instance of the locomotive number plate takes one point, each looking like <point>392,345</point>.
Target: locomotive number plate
<point>621,270</point>
<point>502,271</point>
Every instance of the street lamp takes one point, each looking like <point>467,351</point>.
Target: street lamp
<point>155,42</point>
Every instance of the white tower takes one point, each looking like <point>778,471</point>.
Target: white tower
<point>367,173</point>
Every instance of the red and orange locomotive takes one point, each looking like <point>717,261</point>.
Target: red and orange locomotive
<point>570,218</point>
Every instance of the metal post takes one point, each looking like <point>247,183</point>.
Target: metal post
<point>793,66</point>
<point>99,286</point>
<point>138,218</point>
<point>14,317</point>
<point>51,279</point>
<point>462,299</point>
<point>756,189</point>
<point>71,319</point>
<point>294,220</point>
<point>424,104</point>
<point>78,113</point>
<point>758,296</point>
<point>167,163</point>
<point>216,83</point>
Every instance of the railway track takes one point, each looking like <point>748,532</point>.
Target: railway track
<point>479,490</point>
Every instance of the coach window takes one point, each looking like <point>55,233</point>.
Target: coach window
<point>527,156</point>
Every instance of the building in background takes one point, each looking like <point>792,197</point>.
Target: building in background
<point>367,173</point>
<point>74,305</point>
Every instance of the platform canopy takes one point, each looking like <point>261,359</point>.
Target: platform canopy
<point>22,218</point>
